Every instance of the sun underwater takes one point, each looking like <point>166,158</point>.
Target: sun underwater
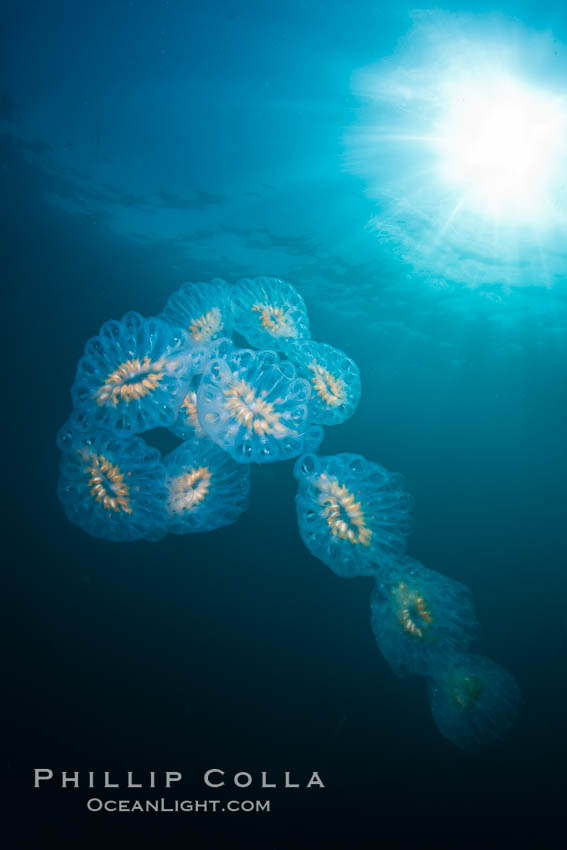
<point>462,141</point>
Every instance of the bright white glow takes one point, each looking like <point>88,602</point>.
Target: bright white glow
<point>462,140</point>
<point>503,144</point>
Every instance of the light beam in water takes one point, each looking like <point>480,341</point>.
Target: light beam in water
<point>462,141</point>
<point>502,144</point>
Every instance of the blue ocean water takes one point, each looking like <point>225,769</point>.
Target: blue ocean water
<point>145,144</point>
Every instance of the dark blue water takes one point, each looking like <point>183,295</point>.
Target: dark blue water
<point>146,144</point>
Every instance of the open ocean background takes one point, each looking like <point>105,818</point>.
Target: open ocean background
<point>144,144</point>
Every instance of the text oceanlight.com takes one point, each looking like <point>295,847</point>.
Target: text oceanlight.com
<point>95,804</point>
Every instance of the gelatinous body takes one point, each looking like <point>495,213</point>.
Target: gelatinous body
<point>420,618</point>
<point>233,407</point>
<point>253,406</point>
<point>111,486</point>
<point>314,436</point>
<point>334,379</point>
<point>473,701</point>
<point>134,374</point>
<point>186,424</point>
<point>267,311</point>
<point>353,514</point>
<point>201,309</point>
<point>207,489</point>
